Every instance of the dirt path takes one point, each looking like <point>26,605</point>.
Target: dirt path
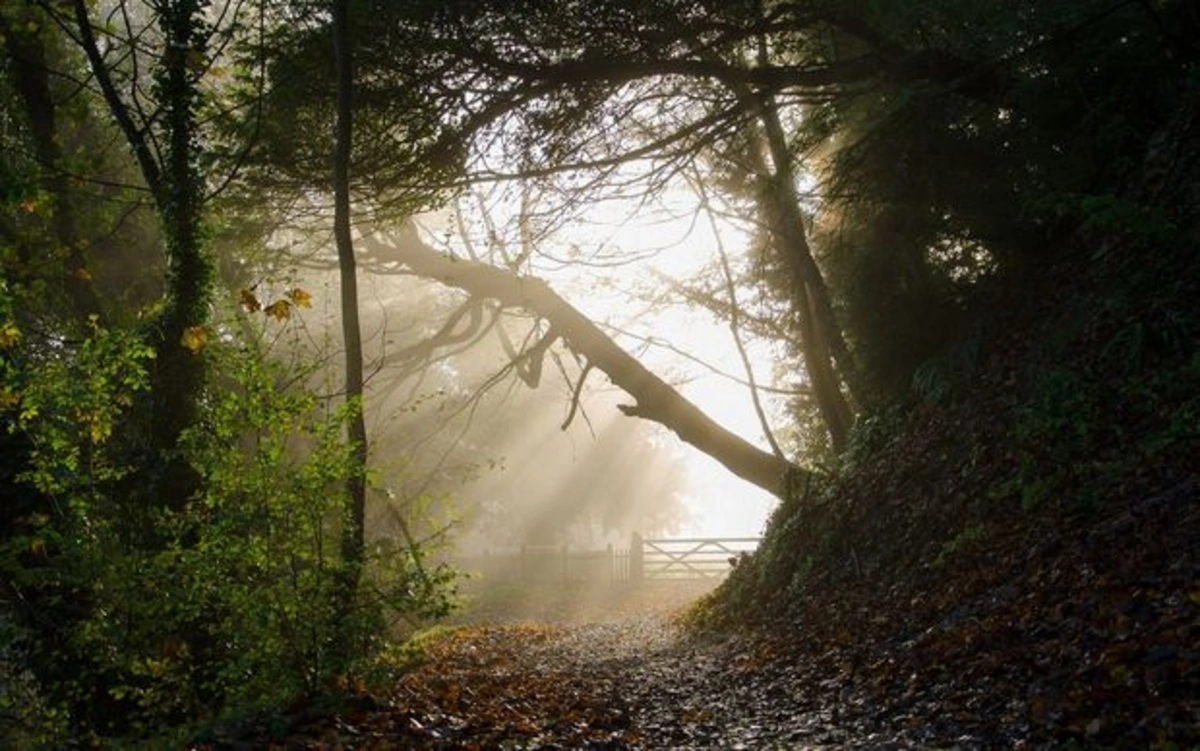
<point>614,675</point>
<point>628,683</point>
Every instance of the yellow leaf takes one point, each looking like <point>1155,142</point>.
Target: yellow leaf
<point>300,297</point>
<point>9,335</point>
<point>8,398</point>
<point>249,301</point>
<point>99,432</point>
<point>279,310</point>
<point>37,546</point>
<point>82,273</point>
<point>194,338</point>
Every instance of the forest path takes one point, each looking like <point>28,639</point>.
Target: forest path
<point>615,674</point>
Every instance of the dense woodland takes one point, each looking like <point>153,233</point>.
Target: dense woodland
<point>972,241</point>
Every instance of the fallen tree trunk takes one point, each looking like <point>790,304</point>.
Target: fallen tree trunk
<point>654,398</point>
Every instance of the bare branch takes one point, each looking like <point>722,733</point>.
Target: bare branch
<point>575,394</point>
<point>120,111</point>
<point>734,320</point>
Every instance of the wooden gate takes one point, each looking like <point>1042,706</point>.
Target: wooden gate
<point>686,558</point>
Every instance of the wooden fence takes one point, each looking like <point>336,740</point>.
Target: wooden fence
<point>549,564</point>
<point>644,559</point>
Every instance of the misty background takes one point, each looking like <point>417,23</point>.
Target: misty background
<point>474,453</point>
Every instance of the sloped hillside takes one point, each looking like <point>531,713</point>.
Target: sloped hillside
<point>1016,552</point>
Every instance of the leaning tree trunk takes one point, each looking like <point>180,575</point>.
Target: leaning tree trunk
<point>352,537</point>
<point>654,399</point>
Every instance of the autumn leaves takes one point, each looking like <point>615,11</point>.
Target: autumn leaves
<point>195,338</point>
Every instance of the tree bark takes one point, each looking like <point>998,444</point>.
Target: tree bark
<point>654,399</point>
<point>353,536</point>
<point>173,176</point>
<point>820,335</point>
<point>31,79</point>
<point>179,370</point>
<point>822,304</point>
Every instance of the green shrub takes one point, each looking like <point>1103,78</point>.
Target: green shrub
<point>143,617</point>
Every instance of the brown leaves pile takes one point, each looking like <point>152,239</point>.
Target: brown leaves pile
<point>482,687</point>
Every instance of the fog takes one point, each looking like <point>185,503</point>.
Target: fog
<point>468,454</point>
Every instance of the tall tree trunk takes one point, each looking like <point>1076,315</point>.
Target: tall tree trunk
<point>818,291</point>
<point>178,189</point>
<point>179,369</point>
<point>352,539</point>
<point>820,335</point>
<point>31,77</point>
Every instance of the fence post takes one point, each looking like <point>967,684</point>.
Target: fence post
<point>635,559</point>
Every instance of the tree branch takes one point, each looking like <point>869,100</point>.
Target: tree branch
<point>654,399</point>
<point>617,71</point>
<point>120,110</point>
